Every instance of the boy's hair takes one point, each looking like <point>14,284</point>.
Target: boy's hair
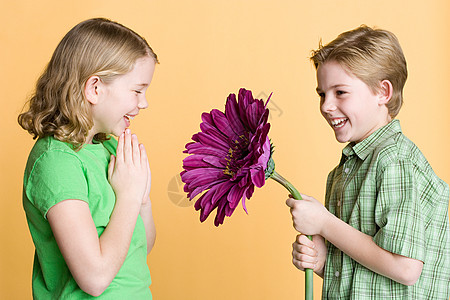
<point>372,55</point>
<point>96,46</point>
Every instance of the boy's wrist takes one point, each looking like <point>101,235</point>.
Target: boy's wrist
<point>327,223</point>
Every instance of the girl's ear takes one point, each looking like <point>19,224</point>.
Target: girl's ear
<point>385,92</point>
<point>91,91</point>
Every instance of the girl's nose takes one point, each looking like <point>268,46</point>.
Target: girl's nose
<point>143,104</point>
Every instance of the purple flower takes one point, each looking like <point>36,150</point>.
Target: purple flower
<point>228,157</point>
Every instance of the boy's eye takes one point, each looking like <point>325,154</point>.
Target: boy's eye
<point>138,92</point>
<point>339,93</point>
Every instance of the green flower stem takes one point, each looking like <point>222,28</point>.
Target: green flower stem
<point>296,195</point>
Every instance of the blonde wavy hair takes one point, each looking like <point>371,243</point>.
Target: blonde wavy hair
<point>372,55</point>
<point>58,106</point>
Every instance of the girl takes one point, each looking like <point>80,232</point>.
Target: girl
<point>86,195</point>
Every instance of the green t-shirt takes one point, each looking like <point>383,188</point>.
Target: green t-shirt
<point>384,187</point>
<point>54,173</point>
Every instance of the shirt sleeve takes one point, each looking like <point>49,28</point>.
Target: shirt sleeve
<point>56,176</point>
<point>398,212</point>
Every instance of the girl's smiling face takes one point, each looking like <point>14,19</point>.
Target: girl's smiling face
<point>118,102</point>
<point>351,108</point>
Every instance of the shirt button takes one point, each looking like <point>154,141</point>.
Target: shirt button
<point>339,203</point>
<point>336,274</point>
<point>346,170</point>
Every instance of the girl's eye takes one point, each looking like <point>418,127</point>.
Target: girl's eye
<point>138,92</point>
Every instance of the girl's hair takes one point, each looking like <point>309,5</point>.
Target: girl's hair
<point>372,55</point>
<point>97,47</point>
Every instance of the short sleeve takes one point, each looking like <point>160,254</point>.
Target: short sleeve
<point>56,176</point>
<point>398,212</point>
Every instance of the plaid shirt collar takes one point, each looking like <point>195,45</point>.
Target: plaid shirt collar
<point>364,148</point>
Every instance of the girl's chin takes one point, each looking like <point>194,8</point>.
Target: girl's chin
<point>118,132</point>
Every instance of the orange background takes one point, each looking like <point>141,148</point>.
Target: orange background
<point>207,50</point>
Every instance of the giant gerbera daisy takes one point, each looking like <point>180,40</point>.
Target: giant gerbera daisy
<point>229,157</point>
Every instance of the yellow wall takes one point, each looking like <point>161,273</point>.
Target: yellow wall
<point>208,49</point>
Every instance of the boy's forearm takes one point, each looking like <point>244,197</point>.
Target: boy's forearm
<point>361,247</point>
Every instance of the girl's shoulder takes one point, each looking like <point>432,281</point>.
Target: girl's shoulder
<point>50,156</point>
<point>47,145</point>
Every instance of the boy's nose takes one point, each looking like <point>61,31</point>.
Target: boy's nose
<point>328,104</point>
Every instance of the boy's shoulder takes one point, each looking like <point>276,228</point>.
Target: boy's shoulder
<point>388,146</point>
<point>398,149</point>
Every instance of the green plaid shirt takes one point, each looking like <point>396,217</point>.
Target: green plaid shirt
<point>385,188</point>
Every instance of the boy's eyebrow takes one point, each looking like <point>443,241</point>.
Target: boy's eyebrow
<point>332,87</point>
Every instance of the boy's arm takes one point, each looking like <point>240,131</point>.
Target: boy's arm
<point>311,217</point>
<point>361,247</point>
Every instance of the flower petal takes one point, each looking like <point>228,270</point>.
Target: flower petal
<point>233,115</point>
<point>212,141</point>
<point>202,176</point>
<point>198,148</point>
<point>222,123</point>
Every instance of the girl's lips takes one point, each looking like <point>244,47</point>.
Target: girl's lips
<point>127,121</point>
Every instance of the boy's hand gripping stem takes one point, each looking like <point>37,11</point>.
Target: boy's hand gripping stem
<point>296,195</point>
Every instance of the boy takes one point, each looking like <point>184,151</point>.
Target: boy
<point>385,219</point>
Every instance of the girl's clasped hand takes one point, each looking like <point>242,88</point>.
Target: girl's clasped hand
<point>129,171</point>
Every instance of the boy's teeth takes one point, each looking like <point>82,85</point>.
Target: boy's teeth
<point>338,122</point>
<point>129,117</point>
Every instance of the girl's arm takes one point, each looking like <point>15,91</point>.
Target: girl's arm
<point>150,231</point>
<point>94,261</point>
<point>146,213</point>
<point>311,217</point>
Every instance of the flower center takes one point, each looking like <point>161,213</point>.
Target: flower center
<point>238,150</point>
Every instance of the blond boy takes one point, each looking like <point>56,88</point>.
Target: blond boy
<point>384,231</point>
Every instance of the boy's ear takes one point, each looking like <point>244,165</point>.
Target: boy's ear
<point>91,91</point>
<point>385,92</point>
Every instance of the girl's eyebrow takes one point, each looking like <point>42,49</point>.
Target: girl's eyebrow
<point>143,84</point>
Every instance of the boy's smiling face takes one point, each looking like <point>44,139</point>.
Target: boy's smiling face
<point>351,108</point>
